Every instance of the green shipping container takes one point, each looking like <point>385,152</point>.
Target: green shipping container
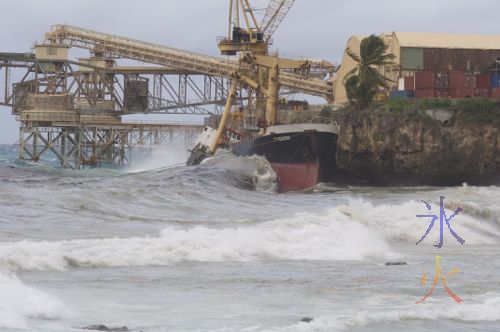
<point>412,58</point>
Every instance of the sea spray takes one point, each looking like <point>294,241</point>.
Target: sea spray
<point>158,157</point>
<point>19,303</point>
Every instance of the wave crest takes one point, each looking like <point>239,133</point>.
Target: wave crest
<point>19,303</point>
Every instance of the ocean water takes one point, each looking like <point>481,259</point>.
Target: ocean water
<point>213,248</point>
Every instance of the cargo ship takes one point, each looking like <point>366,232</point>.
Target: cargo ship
<point>301,155</point>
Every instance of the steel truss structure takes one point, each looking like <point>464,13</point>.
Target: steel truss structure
<point>74,109</point>
<point>168,91</point>
<point>74,115</point>
<point>173,58</point>
<point>93,146</point>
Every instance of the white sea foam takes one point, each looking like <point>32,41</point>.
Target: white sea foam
<point>399,222</point>
<point>19,303</point>
<point>255,168</point>
<point>304,237</point>
<point>485,310</point>
<point>335,234</point>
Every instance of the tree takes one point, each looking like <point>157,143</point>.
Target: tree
<point>363,82</point>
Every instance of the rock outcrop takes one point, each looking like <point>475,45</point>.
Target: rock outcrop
<point>427,147</point>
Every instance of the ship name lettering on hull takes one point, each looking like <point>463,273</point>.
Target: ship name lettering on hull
<point>282,138</point>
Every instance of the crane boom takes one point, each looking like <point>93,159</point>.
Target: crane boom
<point>275,13</point>
<point>171,57</point>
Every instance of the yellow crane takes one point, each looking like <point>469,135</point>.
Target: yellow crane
<point>258,72</point>
<point>252,37</point>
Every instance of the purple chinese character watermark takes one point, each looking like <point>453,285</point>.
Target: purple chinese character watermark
<point>442,218</point>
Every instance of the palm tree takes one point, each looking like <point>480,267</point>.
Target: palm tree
<point>363,82</point>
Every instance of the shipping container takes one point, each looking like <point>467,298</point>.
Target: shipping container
<point>495,80</point>
<point>442,93</point>
<point>470,80</point>
<point>483,81</point>
<point>425,93</point>
<point>402,94</point>
<point>412,58</point>
<point>442,80</point>
<point>482,92</point>
<point>456,80</point>
<point>495,93</point>
<point>410,82</point>
<point>425,80</point>
<point>466,60</point>
<point>398,94</point>
<point>461,93</point>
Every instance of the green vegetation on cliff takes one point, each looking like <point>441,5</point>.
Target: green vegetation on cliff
<point>476,110</point>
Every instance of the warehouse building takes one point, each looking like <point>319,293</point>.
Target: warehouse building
<point>434,65</point>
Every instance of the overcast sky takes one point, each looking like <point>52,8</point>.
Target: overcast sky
<point>313,28</point>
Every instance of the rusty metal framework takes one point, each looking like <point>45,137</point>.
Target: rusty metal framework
<point>93,146</point>
<point>172,58</point>
<point>73,109</point>
<point>165,91</point>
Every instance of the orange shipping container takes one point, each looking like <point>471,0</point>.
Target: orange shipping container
<point>482,92</point>
<point>483,81</point>
<point>442,93</point>
<point>456,80</point>
<point>462,93</point>
<point>470,80</point>
<point>410,83</point>
<point>425,80</point>
<point>425,93</point>
<point>442,80</point>
<point>495,93</point>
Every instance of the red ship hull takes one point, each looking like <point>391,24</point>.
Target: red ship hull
<point>301,156</point>
<point>296,177</point>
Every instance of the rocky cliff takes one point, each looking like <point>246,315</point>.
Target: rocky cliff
<point>422,147</point>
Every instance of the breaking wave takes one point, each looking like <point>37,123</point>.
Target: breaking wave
<point>304,237</point>
<point>255,172</point>
<point>485,310</point>
<point>399,222</point>
<point>19,303</point>
<point>334,234</point>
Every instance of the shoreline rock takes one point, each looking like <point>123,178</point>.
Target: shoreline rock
<point>431,147</point>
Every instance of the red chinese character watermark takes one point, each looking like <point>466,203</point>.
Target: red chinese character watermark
<point>439,274</point>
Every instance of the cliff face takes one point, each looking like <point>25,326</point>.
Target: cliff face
<point>420,148</point>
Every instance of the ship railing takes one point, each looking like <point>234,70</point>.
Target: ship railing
<point>232,136</point>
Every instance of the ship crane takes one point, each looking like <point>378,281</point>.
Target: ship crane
<point>275,13</point>
<point>259,73</point>
<point>254,37</point>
